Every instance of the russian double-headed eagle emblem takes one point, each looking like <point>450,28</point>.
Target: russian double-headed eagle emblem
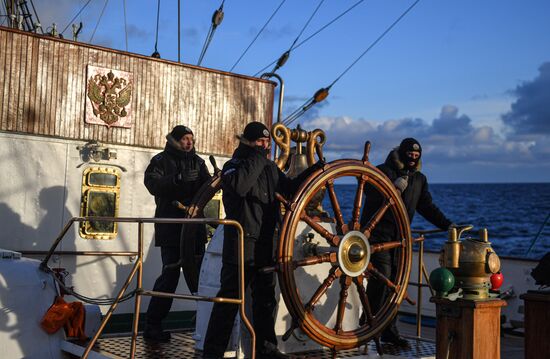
<point>109,96</point>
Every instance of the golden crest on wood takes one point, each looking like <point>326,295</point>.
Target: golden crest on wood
<point>109,97</point>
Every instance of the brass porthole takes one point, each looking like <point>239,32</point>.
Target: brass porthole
<point>100,197</point>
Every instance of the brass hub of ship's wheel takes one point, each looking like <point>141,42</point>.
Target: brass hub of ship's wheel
<point>343,259</point>
<point>354,253</point>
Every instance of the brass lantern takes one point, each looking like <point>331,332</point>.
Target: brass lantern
<point>471,260</point>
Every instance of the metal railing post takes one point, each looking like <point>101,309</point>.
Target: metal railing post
<point>138,269</point>
<point>110,312</point>
<point>419,295</point>
<point>138,291</point>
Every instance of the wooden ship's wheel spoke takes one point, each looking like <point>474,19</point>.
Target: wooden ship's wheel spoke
<point>322,258</point>
<point>345,282</point>
<point>367,229</point>
<point>354,224</point>
<point>331,238</point>
<point>341,227</point>
<point>376,274</point>
<point>367,312</point>
<point>386,246</point>
<point>334,274</point>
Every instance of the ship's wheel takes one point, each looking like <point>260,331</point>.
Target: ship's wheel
<point>347,249</point>
<point>342,261</point>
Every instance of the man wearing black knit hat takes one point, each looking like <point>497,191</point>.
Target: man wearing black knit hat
<point>402,166</point>
<point>249,182</point>
<point>175,174</point>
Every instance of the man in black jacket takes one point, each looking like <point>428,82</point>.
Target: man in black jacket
<point>402,166</point>
<point>249,182</point>
<point>175,174</point>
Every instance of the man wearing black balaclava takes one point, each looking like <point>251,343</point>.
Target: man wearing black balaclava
<point>402,166</point>
<point>175,174</point>
<point>249,182</point>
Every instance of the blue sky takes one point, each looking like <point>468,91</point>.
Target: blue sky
<point>469,79</point>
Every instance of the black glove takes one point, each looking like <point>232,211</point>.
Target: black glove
<point>319,164</point>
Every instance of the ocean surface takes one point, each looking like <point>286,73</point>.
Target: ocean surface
<point>513,213</point>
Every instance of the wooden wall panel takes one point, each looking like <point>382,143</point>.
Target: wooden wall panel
<point>43,83</point>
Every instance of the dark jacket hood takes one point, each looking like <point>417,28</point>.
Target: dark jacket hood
<point>394,162</point>
<point>244,151</point>
<point>174,147</point>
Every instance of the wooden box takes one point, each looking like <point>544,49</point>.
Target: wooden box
<point>537,324</point>
<point>468,329</point>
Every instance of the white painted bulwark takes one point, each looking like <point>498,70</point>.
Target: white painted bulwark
<point>41,189</point>
<point>26,293</point>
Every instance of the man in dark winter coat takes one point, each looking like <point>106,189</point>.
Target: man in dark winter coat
<point>249,182</point>
<point>402,166</point>
<point>175,174</point>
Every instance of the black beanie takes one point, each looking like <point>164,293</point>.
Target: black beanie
<point>179,131</point>
<point>409,145</point>
<point>255,130</point>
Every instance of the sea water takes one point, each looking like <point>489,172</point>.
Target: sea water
<point>513,213</point>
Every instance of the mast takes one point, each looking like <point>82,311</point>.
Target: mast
<point>20,16</point>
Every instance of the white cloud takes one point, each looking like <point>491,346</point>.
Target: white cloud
<point>450,138</point>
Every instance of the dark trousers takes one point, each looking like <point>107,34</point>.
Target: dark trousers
<point>377,292</point>
<point>167,282</point>
<point>223,314</point>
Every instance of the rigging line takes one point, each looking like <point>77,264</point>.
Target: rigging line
<point>5,16</point>
<point>284,57</point>
<point>257,35</point>
<point>297,113</point>
<point>125,24</point>
<point>36,15</point>
<point>328,24</point>
<point>314,34</point>
<point>205,45</point>
<point>307,23</point>
<point>289,120</point>
<point>538,234</point>
<point>157,32</point>
<point>98,20</point>
<point>375,41</point>
<point>74,18</point>
<point>217,18</point>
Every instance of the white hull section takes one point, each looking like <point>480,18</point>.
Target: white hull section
<point>41,190</point>
<point>26,293</point>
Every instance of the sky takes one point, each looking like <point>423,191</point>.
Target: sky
<point>469,79</point>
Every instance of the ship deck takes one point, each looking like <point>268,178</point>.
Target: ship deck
<point>182,345</point>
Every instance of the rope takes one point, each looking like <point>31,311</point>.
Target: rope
<point>282,60</point>
<point>97,301</point>
<point>538,234</point>
<point>98,20</point>
<point>36,15</point>
<point>307,23</point>
<point>4,16</point>
<point>314,34</point>
<point>297,113</point>
<point>257,35</point>
<point>125,24</point>
<point>376,41</point>
<point>74,18</point>
<point>216,20</point>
